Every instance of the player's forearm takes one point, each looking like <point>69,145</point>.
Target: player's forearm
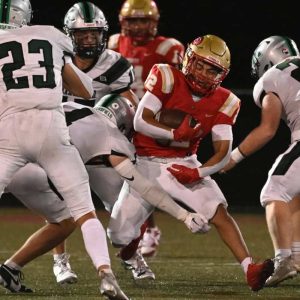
<point>255,140</point>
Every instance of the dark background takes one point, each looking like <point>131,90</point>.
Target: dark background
<point>242,24</point>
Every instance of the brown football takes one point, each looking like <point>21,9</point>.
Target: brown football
<point>171,118</point>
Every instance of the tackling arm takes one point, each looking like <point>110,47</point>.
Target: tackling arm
<point>270,119</point>
<point>156,196</point>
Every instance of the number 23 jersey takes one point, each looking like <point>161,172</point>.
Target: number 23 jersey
<point>283,80</point>
<point>31,62</point>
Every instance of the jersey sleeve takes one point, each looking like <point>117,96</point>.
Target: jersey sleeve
<point>229,111</point>
<point>275,81</point>
<point>160,81</point>
<point>120,74</point>
<point>62,40</point>
<point>172,51</point>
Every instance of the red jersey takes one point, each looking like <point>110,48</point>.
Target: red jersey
<point>159,50</point>
<point>169,85</point>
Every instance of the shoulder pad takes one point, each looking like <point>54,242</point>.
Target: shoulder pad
<point>231,105</point>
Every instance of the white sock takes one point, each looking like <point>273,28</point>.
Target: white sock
<point>12,265</point>
<point>283,253</point>
<point>95,242</point>
<point>245,263</point>
<point>296,251</point>
<point>58,256</point>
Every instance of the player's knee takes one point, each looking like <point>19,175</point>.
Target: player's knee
<point>117,238</point>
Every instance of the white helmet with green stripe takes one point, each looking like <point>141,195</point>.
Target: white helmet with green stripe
<point>270,52</point>
<point>85,16</point>
<point>14,13</point>
<point>119,110</point>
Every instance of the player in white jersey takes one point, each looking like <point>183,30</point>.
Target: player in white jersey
<point>276,62</point>
<point>32,186</point>
<point>33,127</point>
<point>86,25</point>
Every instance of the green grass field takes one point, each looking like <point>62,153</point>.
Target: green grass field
<point>187,266</point>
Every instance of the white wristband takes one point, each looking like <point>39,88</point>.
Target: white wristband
<point>236,155</point>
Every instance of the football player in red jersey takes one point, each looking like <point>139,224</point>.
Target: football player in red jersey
<point>196,90</point>
<point>140,44</point>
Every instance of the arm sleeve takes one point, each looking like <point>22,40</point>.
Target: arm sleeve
<point>219,132</point>
<point>151,102</point>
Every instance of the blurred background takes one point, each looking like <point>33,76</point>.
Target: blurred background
<point>242,24</point>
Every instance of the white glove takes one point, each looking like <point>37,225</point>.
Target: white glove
<point>196,223</point>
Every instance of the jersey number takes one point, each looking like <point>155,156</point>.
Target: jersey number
<point>296,72</point>
<point>16,51</point>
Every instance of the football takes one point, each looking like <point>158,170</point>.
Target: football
<point>172,118</point>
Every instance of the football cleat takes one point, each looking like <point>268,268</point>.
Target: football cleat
<point>62,270</point>
<point>257,274</point>
<point>109,287</point>
<point>149,244</point>
<point>11,280</point>
<point>139,267</point>
<point>283,269</point>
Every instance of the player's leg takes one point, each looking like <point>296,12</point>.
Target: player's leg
<point>66,170</point>
<point>31,187</point>
<point>281,187</point>
<point>150,241</point>
<point>295,210</point>
<point>106,183</point>
<point>37,244</point>
<point>127,218</point>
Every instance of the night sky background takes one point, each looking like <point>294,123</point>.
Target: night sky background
<point>242,24</point>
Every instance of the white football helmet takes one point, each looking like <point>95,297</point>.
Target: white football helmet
<point>85,16</point>
<point>119,110</point>
<point>271,51</point>
<point>15,13</point>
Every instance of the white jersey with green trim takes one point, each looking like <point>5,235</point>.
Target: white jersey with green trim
<point>93,134</point>
<point>283,80</point>
<point>111,73</point>
<point>31,62</point>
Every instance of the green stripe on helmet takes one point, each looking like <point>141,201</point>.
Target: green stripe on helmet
<point>290,45</point>
<point>87,10</point>
<point>4,11</point>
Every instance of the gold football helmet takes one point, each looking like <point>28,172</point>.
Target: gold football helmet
<point>211,50</point>
<point>139,19</point>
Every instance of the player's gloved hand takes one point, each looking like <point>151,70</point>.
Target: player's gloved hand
<point>185,132</point>
<point>184,174</point>
<point>196,223</point>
